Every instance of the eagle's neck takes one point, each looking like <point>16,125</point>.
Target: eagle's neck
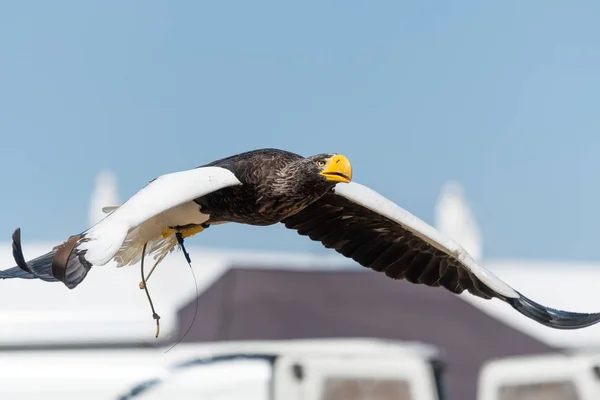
<point>298,183</point>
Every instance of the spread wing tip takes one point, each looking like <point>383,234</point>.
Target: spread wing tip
<point>16,272</point>
<point>38,268</point>
<point>75,268</point>
<point>550,317</point>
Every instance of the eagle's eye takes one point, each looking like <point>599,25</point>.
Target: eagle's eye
<point>321,163</point>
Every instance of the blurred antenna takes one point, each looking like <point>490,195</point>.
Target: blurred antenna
<point>105,194</point>
<point>455,219</point>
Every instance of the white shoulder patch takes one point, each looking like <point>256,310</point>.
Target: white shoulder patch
<point>170,190</point>
<point>375,202</point>
<point>162,194</point>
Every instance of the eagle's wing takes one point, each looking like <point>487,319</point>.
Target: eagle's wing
<point>365,226</point>
<point>100,243</point>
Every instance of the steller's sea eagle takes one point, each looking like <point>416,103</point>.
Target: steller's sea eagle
<point>313,195</point>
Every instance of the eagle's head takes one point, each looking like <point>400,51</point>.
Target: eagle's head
<point>315,175</point>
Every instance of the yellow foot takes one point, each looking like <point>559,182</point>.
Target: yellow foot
<point>184,232</point>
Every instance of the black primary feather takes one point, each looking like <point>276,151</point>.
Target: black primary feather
<point>551,317</point>
<point>41,267</point>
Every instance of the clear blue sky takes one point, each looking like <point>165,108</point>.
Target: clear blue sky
<point>501,96</point>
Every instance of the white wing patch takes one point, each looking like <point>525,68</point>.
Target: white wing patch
<point>375,202</point>
<point>164,202</point>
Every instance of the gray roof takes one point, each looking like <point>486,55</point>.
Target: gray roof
<point>266,304</point>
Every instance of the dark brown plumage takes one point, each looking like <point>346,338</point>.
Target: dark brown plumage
<point>383,245</point>
<point>275,185</point>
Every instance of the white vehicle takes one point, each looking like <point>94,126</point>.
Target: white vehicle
<point>346,369</point>
<point>559,376</point>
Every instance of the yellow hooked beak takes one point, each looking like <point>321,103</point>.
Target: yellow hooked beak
<point>338,169</point>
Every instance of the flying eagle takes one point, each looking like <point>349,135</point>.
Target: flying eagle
<point>313,196</point>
